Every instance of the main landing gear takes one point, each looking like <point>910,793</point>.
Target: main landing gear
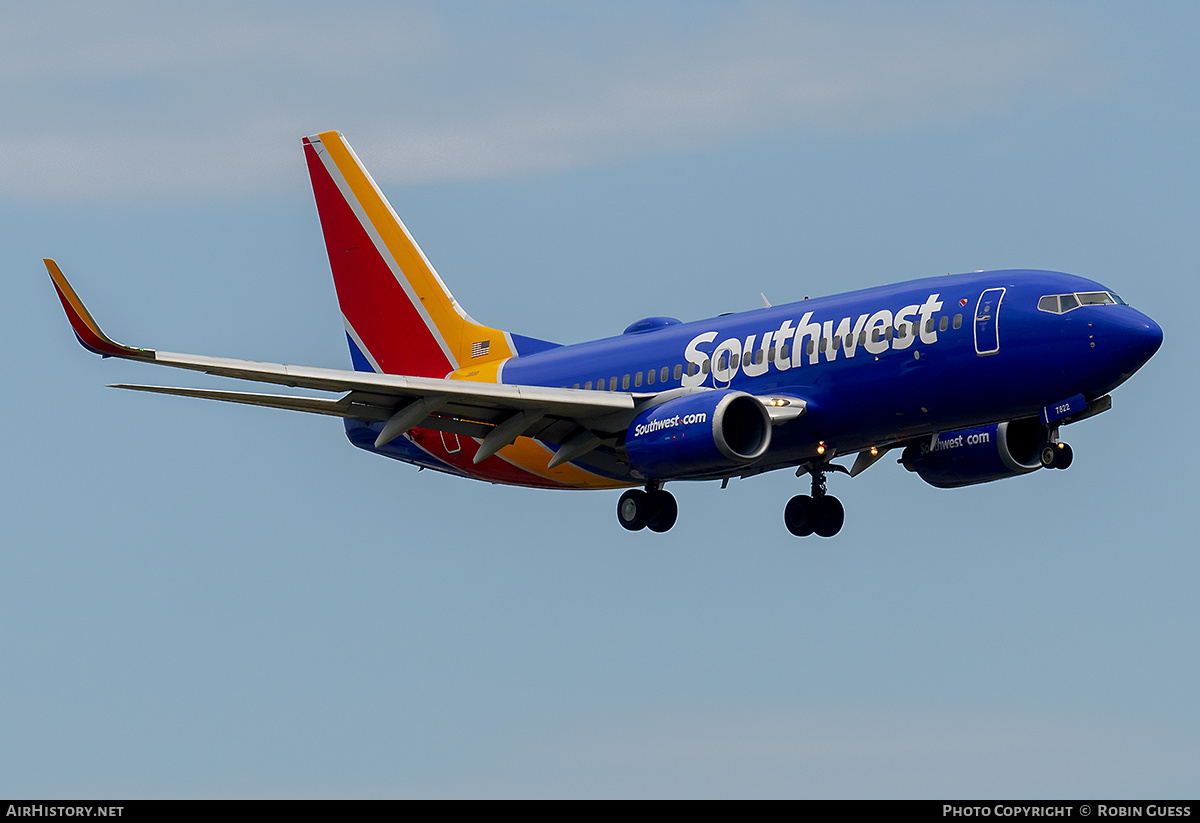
<point>819,514</point>
<point>653,508</point>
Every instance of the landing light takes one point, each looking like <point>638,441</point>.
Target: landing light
<point>821,447</point>
<point>874,452</point>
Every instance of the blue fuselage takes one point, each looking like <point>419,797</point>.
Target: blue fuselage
<point>879,365</point>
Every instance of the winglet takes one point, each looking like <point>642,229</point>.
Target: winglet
<point>86,328</point>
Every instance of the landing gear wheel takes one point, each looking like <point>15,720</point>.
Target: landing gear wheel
<point>799,515</point>
<point>1056,456</point>
<point>664,509</point>
<point>1065,456</point>
<point>1048,456</point>
<point>634,510</point>
<point>819,513</point>
<point>830,517</point>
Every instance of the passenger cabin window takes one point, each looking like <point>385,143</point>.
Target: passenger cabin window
<point>637,380</point>
<point>624,382</point>
<point>588,385</point>
<point>958,321</point>
<point>650,375</point>
<point>944,323</point>
<point>663,374</point>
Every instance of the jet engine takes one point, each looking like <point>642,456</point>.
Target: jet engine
<point>980,455</point>
<point>698,433</point>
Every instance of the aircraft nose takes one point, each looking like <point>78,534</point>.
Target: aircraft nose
<point>1132,338</point>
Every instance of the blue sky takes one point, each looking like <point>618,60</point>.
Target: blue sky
<point>211,601</point>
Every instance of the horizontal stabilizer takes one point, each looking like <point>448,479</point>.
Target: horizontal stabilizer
<point>344,407</point>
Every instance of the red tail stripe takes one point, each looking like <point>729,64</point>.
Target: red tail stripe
<point>374,304</point>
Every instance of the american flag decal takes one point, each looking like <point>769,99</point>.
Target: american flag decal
<point>481,348</point>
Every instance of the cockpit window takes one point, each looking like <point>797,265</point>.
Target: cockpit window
<point>1063,303</point>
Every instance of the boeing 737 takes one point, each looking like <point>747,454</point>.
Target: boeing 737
<point>969,377</point>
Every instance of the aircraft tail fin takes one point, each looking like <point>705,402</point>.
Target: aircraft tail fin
<point>400,318</point>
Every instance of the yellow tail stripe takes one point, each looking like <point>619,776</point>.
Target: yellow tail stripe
<point>458,332</point>
<point>481,373</point>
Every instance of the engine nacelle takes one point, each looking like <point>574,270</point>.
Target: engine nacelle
<point>970,456</point>
<point>698,433</point>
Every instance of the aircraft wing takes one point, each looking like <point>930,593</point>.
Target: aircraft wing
<point>579,419</point>
<point>499,413</point>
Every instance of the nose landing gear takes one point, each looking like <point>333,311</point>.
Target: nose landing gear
<point>1056,456</point>
<point>653,508</point>
<point>821,514</point>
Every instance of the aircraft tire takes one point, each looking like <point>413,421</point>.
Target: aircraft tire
<point>799,515</point>
<point>830,517</point>
<point>634,509</point>
<point>1048,456</point>
<point>664,511</point>
<point>1065,457</point>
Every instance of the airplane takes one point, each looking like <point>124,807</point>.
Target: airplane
<point>969,376</point>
